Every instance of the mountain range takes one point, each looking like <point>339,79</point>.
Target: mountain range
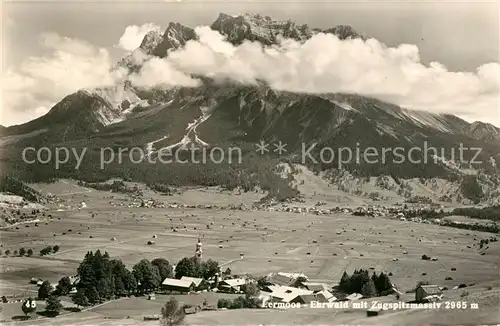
<point>224,113</point>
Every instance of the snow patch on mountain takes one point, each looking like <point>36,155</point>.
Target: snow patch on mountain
<point>119,101</point>
<point>344,105</point>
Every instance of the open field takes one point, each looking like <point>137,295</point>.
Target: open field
<point>322,247</point>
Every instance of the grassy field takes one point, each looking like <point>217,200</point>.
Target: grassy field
<point>322,247</point>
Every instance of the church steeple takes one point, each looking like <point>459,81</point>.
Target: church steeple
<point>199,250</point>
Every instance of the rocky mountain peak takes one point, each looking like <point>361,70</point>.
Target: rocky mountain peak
<point>151,41</point>
<point>255,27</point>
<point>344,32</point>
<point>175,36</point>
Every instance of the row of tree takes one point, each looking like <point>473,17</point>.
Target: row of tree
<point>361,282</point>
<point>102,278</point>
<point>29,252</point>
<point>485,213</point>
<point>22,252</point>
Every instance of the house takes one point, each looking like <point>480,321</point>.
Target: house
<point>315,287</point>
<point>304,299</point>
<point>424,291</point>
<point>190,309</point>
<point>232,285</point>
<point>198,282</point>
<point>325,296</point>
<point>175,285</point>
<point>354,297</point>
<point>284,279</point>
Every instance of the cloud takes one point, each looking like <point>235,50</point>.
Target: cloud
<point>326,64</point>
<point>40,82</point>
<point>161,73</point>
<point>133,36</point>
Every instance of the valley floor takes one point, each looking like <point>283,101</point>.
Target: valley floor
<point>322,247</point>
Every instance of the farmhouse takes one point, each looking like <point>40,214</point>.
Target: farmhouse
<point>424,292</point>
<point>232,285</point>
<point>174,285</point>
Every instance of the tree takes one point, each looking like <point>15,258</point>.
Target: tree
<point>223,303</point>
<point>383,283</point>
<point>165,270</point>
<point>251,290</point>
<point>298,282</point>
<point>209,268</point>
<point>80,299</point>
<point>345,283</point>
<point>147,275</point>
<point>64,286</point>
<point>368,289</point>
<point>22,252</point>
<point>130,282</point>
<point>29,253</point>
<point>45,251</point>
<point>172,313</point>
<point>54,305</point>
<point>15,253</point>
<point>187,267</point>
<point>7,252</point>
<point>95,271</point>
<point>55,249</point>
<point>45,290</point>
<point>29,306</point>
<point>92,295</point>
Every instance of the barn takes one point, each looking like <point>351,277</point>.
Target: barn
<point>174,285</point>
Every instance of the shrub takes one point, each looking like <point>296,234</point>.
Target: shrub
<point>45,251</point>
<point>54,305</point>
<point>223,303</point>
<point>45,290</point>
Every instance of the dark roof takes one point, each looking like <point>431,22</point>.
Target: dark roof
<point>305,298</point>
<point>431,289</point>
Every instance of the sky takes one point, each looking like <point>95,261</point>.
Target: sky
<point>435,56</point>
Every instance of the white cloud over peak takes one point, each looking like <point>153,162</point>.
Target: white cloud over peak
<point>322,64</point>
<point>326,64</point>
<point>133,36</point>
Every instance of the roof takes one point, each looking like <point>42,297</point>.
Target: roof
<point>196,281</point>
<point>287,293</point>
<point>234,282</point>
<point>354,296</point>
<point>431,289</point>
<point>282,278</point>
<point>178,283</point>
<point>325,296</point>
<point>306,298</point>
<point>315,287</point>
